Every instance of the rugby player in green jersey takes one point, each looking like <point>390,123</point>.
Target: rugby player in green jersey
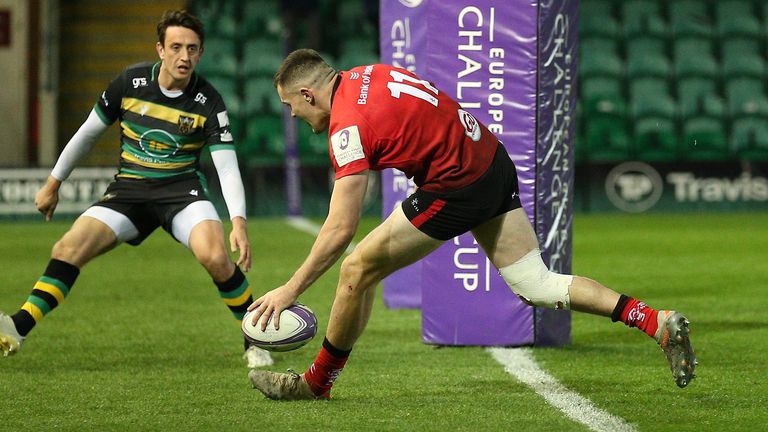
<point>167,115</point>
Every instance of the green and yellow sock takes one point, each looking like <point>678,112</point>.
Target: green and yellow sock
<point>236,293</point>
<point>49,291</point>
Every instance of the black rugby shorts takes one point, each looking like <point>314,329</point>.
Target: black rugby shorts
<point>445,215</point>
<point>150,203</point>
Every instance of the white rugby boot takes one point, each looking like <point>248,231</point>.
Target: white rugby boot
<point>256,357</point>
<point>10,339</point>
<point>673,338</point>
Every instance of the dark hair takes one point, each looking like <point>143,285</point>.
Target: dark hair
<point>305,65</point>
<point>179,18</point>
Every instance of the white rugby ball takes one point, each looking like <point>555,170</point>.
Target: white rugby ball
<point>298,325</point>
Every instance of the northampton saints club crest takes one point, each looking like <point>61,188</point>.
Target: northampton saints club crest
<point>185,124</point>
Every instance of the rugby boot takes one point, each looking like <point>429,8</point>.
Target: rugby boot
<point>673,338</point>
<point>10,339</point>
<point>257,357</point>
<point>283,386</point>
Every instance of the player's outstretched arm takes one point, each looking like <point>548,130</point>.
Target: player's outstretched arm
<point>335,235</point>
<point>47,198</point>
<point>238,241</point>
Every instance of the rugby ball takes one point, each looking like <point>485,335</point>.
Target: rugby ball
<point>298,325</point>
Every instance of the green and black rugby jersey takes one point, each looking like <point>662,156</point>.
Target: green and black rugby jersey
<point>163,136</point>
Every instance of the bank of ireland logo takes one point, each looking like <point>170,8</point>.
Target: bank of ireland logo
<point>633,186</point>
<point>471,127</point>
<point>158,143</point>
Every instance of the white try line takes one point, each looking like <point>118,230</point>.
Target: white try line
<point>519,363</point>
<point>309,227</point>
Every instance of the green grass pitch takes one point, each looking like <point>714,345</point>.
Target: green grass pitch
<point>143,343</point>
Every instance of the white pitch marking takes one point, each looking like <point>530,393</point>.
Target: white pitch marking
<point>519,363</point>
<point>309,227</point>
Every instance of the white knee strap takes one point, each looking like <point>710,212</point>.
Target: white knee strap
<point>530,279</point>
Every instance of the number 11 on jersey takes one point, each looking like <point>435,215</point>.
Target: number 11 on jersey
<point>408,85</point>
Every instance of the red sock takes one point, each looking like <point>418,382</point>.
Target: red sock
<point>326,368</point>
<point>635,313</point>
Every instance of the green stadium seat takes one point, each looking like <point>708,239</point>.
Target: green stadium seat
<point>749,138</point>
<point>737,18</point>
<point>579,144</point>
<point>643,18</point>
<point>650,97</point>
<point>313,148</point>
<point>607,139</point>
<point>602,96</point>
<point>226,24</point>
<point>597,19</point>
<point>647,57</point>
<point>704,139</point>
<point>741,57</point>
<point>261,19</point>
<point>219,58</point>
<point>694,57</point>
<point>746,97</point>
<point>698,96</point>
<point>262,57</point>
<point>655,140</point>
<point>599,57</point>
<point>263,143</point>
<point>690,18</point>
<point>261,97</point>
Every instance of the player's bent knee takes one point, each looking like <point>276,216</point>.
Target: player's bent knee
<point>530,279</point>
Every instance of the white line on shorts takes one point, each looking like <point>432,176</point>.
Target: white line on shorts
<point>309,227</point>
<point>519,363</point>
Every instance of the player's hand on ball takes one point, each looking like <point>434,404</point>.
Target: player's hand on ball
<point>272,304</point>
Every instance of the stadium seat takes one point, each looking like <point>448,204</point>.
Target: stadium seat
<point>261,19</point>
<point>655,140</point>
<point>313,148</point>
<point>737,18</point>
<point>650,97</point>
<point>263,143</point>
<point>698,96</point>
<point>607,139</point>
<point>741,57</point>
<point>219,58</point>
<point>749,138</point>
<point>746,97</point>
<point>599,57</point>
<point>597,19</point>
<point>356,52</point>
<point>226,23</point>
<point>643,18</point>
<point>704,138</point>
<point>262,57</point>
<point>261,97</point>
<point>694,57</point>
<point>690,18</point>
<point>602,96</point>
<point>646,57</point>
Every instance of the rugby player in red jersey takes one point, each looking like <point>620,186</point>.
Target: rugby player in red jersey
<point>377,117</point>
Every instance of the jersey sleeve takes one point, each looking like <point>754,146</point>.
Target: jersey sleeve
<point>350,148</point>
<point>108,105</point>
<point>217,128</point>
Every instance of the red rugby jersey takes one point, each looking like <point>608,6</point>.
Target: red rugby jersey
<point>387,117</point>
